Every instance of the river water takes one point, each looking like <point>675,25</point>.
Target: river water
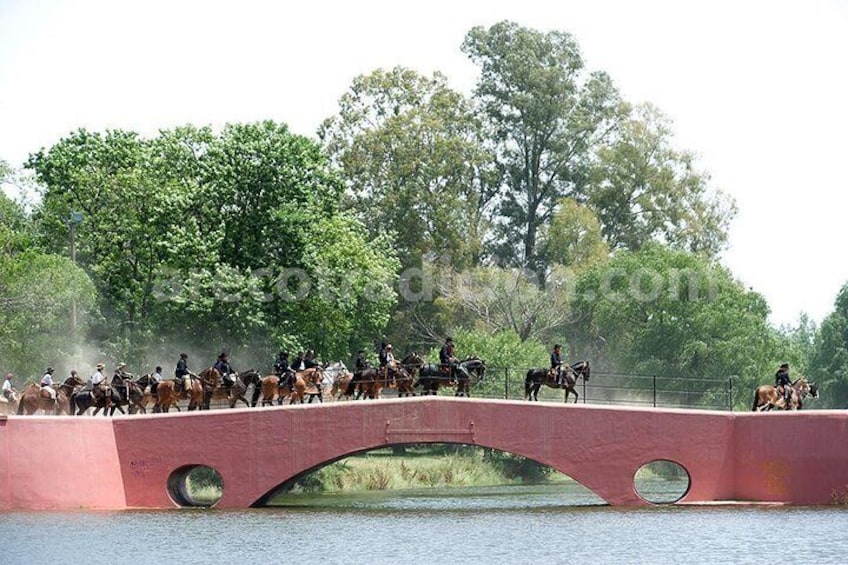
<point>495,525</point>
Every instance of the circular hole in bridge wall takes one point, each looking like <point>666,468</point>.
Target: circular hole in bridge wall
<point>661,482</point>
<point>195,485</point>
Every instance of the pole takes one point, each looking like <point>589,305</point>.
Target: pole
<point>506,383</point>
<point>74,219</point>
<point>74,296</point>
<point>655,391</point>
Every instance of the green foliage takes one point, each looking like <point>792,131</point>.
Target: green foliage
<point>574,238</point>
<point>829,365</point>
<point>645,190</point>
<point>37,294</point>
<point>670,313</point>
<point>414,159</point>
<point>506,355</point>
<point>202,238</point>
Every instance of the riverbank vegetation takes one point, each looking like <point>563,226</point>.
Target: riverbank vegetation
<point>425,466</point>
<point>543,207</point>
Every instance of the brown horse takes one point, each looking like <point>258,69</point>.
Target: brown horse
<point>169,392</point>
<point>32,398</point>
<point>767,397</point>
<point>537,377</point>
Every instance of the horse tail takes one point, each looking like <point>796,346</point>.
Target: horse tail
<point>21,405</point>
<point>528,382</point>
<point>756,398</point>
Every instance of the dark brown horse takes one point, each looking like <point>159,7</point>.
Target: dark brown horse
<point>537,377</point>
<point>431,377</point>
<point>367,383</point>
<point>767,397</point>
<point>239,388</point>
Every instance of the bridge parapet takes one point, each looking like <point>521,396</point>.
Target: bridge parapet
<point>130,460</point>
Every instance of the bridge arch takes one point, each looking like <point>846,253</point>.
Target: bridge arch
<point>280,488</point>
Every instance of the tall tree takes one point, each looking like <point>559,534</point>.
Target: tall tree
<point>547,114</point>
<point>829,365</point>
<point>644,189</point>
<point>412,154</point>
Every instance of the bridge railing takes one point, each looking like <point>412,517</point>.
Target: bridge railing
<point>614,389</point>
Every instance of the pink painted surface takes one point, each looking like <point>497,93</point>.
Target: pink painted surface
<point>59,462</point>
<point>794,458</point>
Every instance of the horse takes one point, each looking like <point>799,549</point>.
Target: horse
<point>336,379</point>
<point>110,401</point>
<point>767,397</point>
<point>431,376</point>
<point>32,398</point>
<point>239,388</point>
<point>308,382</point>
<point>169,392</point>
<point>9,406</point>
<point>365,382</point>
<point>472,366</point>
<point>537,377</point>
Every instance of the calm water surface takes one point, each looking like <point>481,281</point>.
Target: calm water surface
<point>498,525</point>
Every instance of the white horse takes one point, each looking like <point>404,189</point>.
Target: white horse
<point>336,377</point>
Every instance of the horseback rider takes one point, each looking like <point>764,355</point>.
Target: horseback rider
<point>155,379</point>
<point>282,370</point>
<point>391,364</point>
<point>383,359</point>
<point>8,390</point>
<point>361,362</point>
<point>783,383</point>
<point>95,384</point>
<point>47,383</point>
<point>297,364</point>
<point>556,363</point>
<point>281,364</point>
<point>182,374</point>
<point>447,358</point>
<point>119,380</point>
<point>223,366</point>
<point>309,361</point>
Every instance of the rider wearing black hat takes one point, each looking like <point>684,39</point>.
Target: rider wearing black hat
<point>783,383</point>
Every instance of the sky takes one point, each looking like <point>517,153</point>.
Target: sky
<point>758,90</point>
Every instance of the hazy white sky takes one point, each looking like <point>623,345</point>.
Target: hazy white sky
<point>757,89</point>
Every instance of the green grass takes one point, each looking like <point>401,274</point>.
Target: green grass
<point>380,470</point>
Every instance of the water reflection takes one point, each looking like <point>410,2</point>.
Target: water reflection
<point>475,525</point>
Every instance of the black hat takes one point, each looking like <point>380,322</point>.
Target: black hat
<point>784,365</point>
<point>49,370</point>
<point>360,352</point>
<point>183,355</point>
<point>449,340</point>
<point>557,346</point>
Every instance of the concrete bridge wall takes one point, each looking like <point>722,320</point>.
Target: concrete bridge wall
<point>126,462</point>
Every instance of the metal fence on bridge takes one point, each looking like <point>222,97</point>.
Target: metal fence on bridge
<point>610,388</point>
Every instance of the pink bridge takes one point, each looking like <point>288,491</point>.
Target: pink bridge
<point>132,462</point>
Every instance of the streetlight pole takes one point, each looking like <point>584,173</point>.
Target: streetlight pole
<point>74,219</point>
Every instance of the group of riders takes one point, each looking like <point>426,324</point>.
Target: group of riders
<point>284,367</point>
